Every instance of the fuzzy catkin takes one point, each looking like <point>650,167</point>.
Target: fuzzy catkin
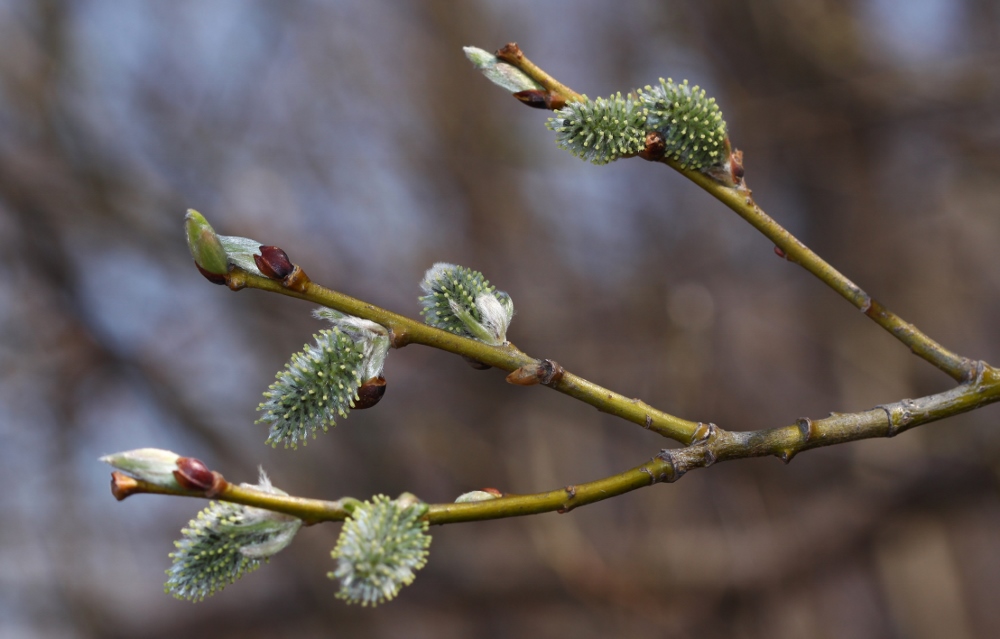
<point>380,547</point>
<point>602,130</point>
<point>606,129</point>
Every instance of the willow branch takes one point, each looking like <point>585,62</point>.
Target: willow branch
<point>507,358</point>
<point>310,511</point>
<point>511,53</point>
<point>739,199</point>
<point>670,465</point>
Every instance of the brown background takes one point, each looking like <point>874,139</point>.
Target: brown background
<point>356,136</point>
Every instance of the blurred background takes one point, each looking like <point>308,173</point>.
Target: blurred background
<point>356,136</point>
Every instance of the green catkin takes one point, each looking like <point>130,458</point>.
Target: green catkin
<point>315,387</point>
<point>223,543</point>
<point>691,124</point>
<point>602,130</point>
<point>380,548</point>
<point>461,301</point>
<point>605,129</point>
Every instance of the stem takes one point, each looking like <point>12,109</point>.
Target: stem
<point>310,511</point>
<point>783,442</point>
<point>959,368</point>
<point>511,54</point>
<point>739,200</point>
<point>670,465</point>
<point>507,358</point>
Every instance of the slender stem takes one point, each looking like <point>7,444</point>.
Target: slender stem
<point>310,511</point>
<point>739,199</point>
<point>669,466</point>
<point>511,53</point>
<point>508,358</point>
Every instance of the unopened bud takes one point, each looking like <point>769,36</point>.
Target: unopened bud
<point>500,73</point>
<point>541,99</point>
<point>273,262</point>
<point>206,248</point>
<point>543,371</point>
<point>478,495</point>
<point>370,393</point>
<point>193,474</point>
<point>151,465</point>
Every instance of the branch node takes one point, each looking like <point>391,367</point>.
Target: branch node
<point>510,52</point>
<point>673,471</point>
<point>546,371</point>
<point>297,280</point>
<point>866,305</point>
<point>708,457</point>
<point>219,485</point>
<point>704,433</point>
<point>235,283</point>
<point>899,415</point>
<point>571,494</point>
<point>398,338</point>
<point>975,372</point>
<point>807,428</point>
<point>649,422</point>
<point>552,372</point>
<point>652,478</point>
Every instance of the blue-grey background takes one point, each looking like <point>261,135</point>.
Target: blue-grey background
<point>356,136</point>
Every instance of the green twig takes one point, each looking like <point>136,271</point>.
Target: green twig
<point>310,511</point>
<point>508,358</point>
<point>740,200</point>
<point>669,466</point>
<point>511,54</point>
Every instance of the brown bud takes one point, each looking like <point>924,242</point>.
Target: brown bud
<point>193,474</point>
<point>655,147</point>
<point>736,166</point>
<point>510,52</point>
<point>273,262</point>
<point>370,393</point>
<point>214,278</point>
<point>493,491</point>
<point>297,280</point>
<point>541,99</point>
<point>555,101</point>
<point>780,253</point>
<point>476,364</point>
<point>544,371</point>
<point>533,98</point>
<point>527,375</point>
